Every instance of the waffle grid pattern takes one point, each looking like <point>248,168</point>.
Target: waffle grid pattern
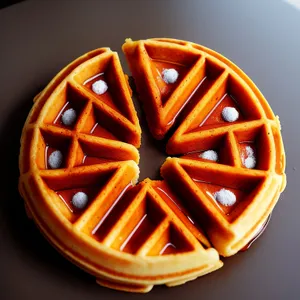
<point>139,221</point>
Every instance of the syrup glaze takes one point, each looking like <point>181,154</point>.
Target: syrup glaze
<point>198,93</point>
<point>90,160</point>
<point>107,96</point>
<point>169,248</point>
<point>58,120</point>
<point>167,89</point>
<point>215,116</point>
<point>258,234</point>
<point>67,195</point>
<point>75,101</point>
<point>139,234</point>
<point>180,209</point>
<point>209,189</point>
<point>108,220</point>
<point>145,219</point>
<point>98,130</point>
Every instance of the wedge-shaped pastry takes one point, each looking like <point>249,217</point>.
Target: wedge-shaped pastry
<point>232,203</point>
<point>165,75</point>
<point>78,165</point>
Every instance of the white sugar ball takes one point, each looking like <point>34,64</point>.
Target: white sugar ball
<point>80,200</point>
<point>210,155</point>
<point>55,159</point>
<point>69,117</point>
<point>250,162</point>
<point>225,197</point>
<point>250,151</point>
<point>230,114</point>
<point>99,87</point>
<point>170,75</point>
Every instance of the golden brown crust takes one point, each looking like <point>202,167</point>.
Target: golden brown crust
<point>131,237</point>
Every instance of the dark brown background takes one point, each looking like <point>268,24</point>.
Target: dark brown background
<point>37,38</point>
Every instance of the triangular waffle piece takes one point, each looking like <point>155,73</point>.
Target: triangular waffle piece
<point>230,203</point>
<point>149,62</point>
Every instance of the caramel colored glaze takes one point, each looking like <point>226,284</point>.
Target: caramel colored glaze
<point>215,116</point>
<point>115,212</point>
<point>48,151</point>
<point>180,209</point>
<point>169,248</point>
<point>167,89</point>
<point>242,150</point>
<point>258,234</point>
<point>58,121</point>
<point>172,241</point>
<point>202,88</point>
<point>66,197</point>
<point>209,189</point>
<point>138,235</point>
<point>220,145</point>
<point>89,160</point>
<point>145,219</point>
<point>106,97</point>
<point>102,132</point>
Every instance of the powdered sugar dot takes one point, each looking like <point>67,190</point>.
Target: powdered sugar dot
<point>250,151</point>
<point>209,155</point>
<point>55,159</point>
<point>170,75</point>
<point>99,87</point>
<point>250,161</point>
<point>69,117</point>
<point>225,197</point>
<point>230,114</point>
<point>80,200</point>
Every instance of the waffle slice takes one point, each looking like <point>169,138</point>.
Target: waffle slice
<point>230,226</point>
<point>162,101</point>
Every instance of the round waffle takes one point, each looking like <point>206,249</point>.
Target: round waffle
<point>78,164</point>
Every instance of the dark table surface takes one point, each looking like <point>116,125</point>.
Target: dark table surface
<point>37,38</point>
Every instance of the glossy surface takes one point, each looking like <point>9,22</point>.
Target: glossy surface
<point>215,116</point>
<point>259,36</point>
<point>181,209</point>
<point>100,131</point>
<point>67,195</point>
<point>89,160</point>
<point>105,97</point>
<point>258,234</point>
<point>210,189</point>
<point>166,89</point>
